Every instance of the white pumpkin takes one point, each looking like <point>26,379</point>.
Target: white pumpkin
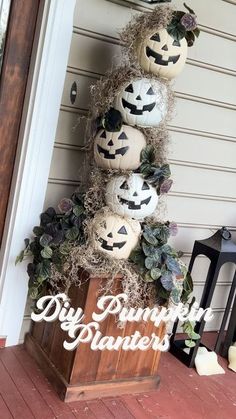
<point>131,196</point>
<point>116,236</point>
<point>142,102</point>
<point>162,55</point>
<point>119,150</point>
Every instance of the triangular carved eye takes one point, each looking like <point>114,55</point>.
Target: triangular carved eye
<point>103,135</point>
<point>155,37</point>
<point>123,230</point>
<point>176,43</point>
<point>123,136</point>
<point>150,91</point>
<point>145,186</point>
<point>124,185</point>
<point>129,89</point>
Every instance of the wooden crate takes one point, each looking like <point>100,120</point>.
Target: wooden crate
<point>86,374</point>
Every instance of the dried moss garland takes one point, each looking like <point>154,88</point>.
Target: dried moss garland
<point>140,27</point>
<point>104,92</point>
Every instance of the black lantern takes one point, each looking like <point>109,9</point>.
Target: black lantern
<point>157,1</point>
<point>220,249</point>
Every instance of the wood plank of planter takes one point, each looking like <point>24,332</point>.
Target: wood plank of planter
<point>88,374</point>
<point>86,362</point>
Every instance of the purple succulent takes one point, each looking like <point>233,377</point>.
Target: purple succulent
<point>189,21</point>
<point>65,205</point>
<point>173,229</point>
<point>165,186</point>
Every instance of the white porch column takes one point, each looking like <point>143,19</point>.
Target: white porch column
<point>34,158</point>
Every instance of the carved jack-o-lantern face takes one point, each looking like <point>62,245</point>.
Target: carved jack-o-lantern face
<point>142,102</point>
<point>162,55</point>
<point>117,236</point>
<point>119,150</point>
<point>132,196</point>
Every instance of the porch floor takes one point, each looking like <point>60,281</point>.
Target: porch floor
<point>25,394</point>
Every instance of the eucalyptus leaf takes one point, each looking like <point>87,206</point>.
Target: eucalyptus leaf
<point>149,237</point>
<point>33,292</point>
<point>173,266</point>
<point>45,239</point>
<point>155,273</point>
<point>20,257</point>
<point>78,210</point>
<point>190,38</point>
<point>196,32</point>
<point>148,250</point>
<point>150,263</point>
<point>148,154</point>
<point>147,277</point>
<point>46,252</point>
<point>167,281</point>
<point>72,233</point>
<point>38,231</point>
<point>189,343</point>
<point>64,248</point>
<point>194,336</point>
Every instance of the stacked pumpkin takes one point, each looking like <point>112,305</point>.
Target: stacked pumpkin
<point>138,104</point>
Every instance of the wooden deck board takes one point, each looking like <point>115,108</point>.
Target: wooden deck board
<point>25,393</point>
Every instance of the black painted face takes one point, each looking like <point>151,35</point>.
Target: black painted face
<point>113,150</point>
<point>139,98</point>
<point>163,59</point>
<point>135,204</point>
<point>118,245</point>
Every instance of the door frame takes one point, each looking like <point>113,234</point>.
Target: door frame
<point>33,158</point>
<point>18,45</point>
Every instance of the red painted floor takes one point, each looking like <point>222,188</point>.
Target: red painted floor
<point>25,394</point>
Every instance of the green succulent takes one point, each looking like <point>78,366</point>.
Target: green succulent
<point>158,176</point>
<point>52,242</point>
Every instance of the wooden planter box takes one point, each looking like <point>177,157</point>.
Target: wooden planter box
<point>85,374</point>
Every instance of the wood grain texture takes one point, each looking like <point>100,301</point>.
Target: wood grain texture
<point>19,41</point>
<point>83,373</point>
<point>182,393</point>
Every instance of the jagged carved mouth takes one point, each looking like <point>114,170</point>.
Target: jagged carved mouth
<point>107,155</point>
<point>106,246</point>
<point>158,57</point>
<point>133,109</point>
<point>132,205</point>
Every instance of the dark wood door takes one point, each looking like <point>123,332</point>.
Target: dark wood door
<point>13,81</point>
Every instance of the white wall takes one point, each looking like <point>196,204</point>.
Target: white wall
<point>203,131</point>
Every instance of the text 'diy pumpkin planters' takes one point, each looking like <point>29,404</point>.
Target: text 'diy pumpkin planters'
<point>142,102</point>
<point>131,196</point>
<point>162,55</point>
<point>116,236</point>
<point>119,150</point>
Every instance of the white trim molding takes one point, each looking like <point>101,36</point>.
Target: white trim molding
<point>33,157</point>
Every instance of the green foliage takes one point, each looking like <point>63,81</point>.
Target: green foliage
<point>155,259</point>
<point>188,328</point>
<point>159,263</point>
<point>52,242</point>
<point>184,25</point>
<point>158,176</point>
<point>110,121</point>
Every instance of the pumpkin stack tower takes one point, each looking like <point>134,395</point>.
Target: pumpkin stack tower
<point>132,106</point>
